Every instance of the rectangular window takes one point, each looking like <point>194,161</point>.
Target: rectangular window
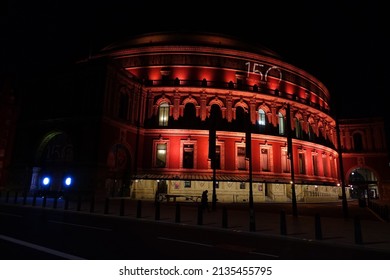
<point>188,156</point>
<point>285,162</point>
<point>161,155</point>
<point>217,158</point>
<point>325,165</point>
<point>187,184</point>
<point>241,163</point>
<point>315,164</point>
<point>333,167</point>
<point>301,163</point>
<point>264,157</point>
<point>242,186</point>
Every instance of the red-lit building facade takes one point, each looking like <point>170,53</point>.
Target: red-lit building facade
<point>136,119</point>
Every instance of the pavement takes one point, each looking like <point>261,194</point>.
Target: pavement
<point>323,222</point>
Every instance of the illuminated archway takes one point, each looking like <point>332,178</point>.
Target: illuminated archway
<point>363,183</point>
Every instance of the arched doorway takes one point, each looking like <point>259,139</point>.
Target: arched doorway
<point>119,171</point>
<point>363,184</point>
<point>53,168</point>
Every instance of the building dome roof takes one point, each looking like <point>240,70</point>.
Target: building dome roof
<point>190,38</point>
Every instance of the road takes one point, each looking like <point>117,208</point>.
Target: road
<point>28,232</point>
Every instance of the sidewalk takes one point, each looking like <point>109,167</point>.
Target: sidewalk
<point>321,222</point>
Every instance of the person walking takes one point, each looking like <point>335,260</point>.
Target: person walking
<point>205,201</point>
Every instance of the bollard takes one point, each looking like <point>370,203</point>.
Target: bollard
<point>44,201</point>
<point>318,230</point>
<point>122,207</point>
<point>224,217</point>
<point>139,209</point>
<point>92,206</point>
<point>386,213</point>
<point>200,215</point>
<point>252,223</point>
<point>177,214</point>
<point>283,226</point>
<point>157,210</point>
<point>34,201</point>
<point>78,203</point>
<point>55,202</point>
<point>358,231</point>
<point>66,204</point>
<point>24,198</point>
<point>106,205</point>
<point>16,197</point>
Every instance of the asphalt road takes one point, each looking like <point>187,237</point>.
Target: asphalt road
<point>123,233</point>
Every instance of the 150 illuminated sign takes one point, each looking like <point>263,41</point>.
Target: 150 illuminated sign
<point>263,71</point>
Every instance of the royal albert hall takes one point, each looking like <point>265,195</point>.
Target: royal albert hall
<point>179,113</point>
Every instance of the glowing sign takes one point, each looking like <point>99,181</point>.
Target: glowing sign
<point>260,69</point>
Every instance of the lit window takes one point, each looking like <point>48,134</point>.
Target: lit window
<point>241,163</point>
<point>315,165</point>
<point>285,162</point>
<point>265,158</point>
<point>261,117</point>
<point>163,114</point>
<point>281,123</point>
<point>301,163</point>
<point>161,155</point>
<point>188,156</point>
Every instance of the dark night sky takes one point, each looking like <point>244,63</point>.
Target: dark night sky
<point>343,44</point>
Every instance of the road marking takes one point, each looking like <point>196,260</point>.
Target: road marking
<point>79,225</point>
<point>185,241</point>
<point>12,215</point>
<point>264,254</point>
<point>40,248</point>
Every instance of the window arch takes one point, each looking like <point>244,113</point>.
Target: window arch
<point>298,129</point>
<point>163,114</point>
<point>242,116</point>
<point>189,114</point>
<point>281,122</point>
<point>262,119</point>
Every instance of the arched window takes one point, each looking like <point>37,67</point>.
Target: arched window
<point>189,116</point>
<point>262,121</point>
<point>357,142</point>
<point>310,132</point>
<point>215,115</point>
<point>298,129</point>
<point>242,118</point>
<point>163,114</point>
<point>281,124</point>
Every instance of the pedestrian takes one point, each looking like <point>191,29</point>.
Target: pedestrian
<point>205,200</point>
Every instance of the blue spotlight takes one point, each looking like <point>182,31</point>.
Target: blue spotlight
<point>68,181</point>
<point>46,181</point>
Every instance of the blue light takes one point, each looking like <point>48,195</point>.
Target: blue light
<point>46,181</point>
<point>68,181</point>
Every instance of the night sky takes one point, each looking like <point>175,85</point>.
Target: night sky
<point>343,44</point>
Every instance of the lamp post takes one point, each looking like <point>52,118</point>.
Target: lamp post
<point>290,155</point>
<point>341,168</point>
